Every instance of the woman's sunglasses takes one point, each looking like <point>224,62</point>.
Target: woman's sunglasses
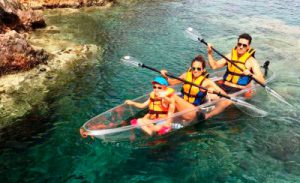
<point>197,68</point>
<point>241,44</point>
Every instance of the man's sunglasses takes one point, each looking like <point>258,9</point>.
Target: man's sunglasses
<point>196,68</point>
<point>241,44</point>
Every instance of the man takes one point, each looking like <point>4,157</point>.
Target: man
<point>161,104</point>
<point>234,79</point>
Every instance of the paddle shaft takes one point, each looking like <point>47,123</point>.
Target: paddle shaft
<point>185,81</point>
<point>230,61</point>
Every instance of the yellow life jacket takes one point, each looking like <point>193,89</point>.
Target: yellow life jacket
<point>156,106</point>
<point>192,94</point>
<point>233,74</point>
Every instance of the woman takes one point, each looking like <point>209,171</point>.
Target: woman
<point>191,95</point>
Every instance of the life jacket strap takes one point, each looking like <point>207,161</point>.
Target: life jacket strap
<point>237,61</point>
<point>157,112</point>
<point>235,74</point>
<point>190,95</point>
<point>154,99</point>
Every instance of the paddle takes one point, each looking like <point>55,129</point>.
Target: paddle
<point>193,34</point>
<point>132,61</point>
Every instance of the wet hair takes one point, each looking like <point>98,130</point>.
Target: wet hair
<point>200,59</point>
<point>245,36</point>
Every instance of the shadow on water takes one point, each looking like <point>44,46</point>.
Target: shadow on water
<point>30,130</point>
<point>39,124</point>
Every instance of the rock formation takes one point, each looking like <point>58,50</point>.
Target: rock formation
<point>13,16</point>
<point>15,52</point>
<point>24,92</point>
<point>40,4</point>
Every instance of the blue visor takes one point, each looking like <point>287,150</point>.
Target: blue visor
<point>160,80</point>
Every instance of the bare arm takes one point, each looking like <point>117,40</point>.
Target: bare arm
<point>137,104</point>
<point>171,110</point>
<point>256,72</point>
<point>212,62</point>
<point>212,86</point>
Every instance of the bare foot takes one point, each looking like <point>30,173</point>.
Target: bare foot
<point>83,133</point>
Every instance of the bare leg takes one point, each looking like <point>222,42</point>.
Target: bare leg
<point>182,105</point>
<point>145,126</point>
<point>148,127</point>
<point>212,97</point>
<point>220,107</point>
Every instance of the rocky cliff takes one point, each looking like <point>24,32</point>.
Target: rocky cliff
<point>41,4</point>
<point>15,52</point>
<point>31,67</point>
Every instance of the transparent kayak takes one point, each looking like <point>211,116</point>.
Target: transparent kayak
<point>114,124</point>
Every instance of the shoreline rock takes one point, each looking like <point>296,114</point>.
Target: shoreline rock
<point>16,54</point>
<point>31,67</point>
<point>13,16</point>
<point>51,4</point>
<point>24,91</point>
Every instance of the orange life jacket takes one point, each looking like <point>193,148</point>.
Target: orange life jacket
<point>233,74</point>
<point>156,107</point>
<point>192,94</point>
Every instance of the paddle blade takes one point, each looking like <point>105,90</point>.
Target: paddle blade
<point>131,61</point>
<point>192,34</point>
<point>276,95</point>
<point>249,108</point>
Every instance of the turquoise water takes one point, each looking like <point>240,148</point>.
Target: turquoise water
<point>232,147</point>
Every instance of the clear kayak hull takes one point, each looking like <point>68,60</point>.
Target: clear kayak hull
<point>114,124</point>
